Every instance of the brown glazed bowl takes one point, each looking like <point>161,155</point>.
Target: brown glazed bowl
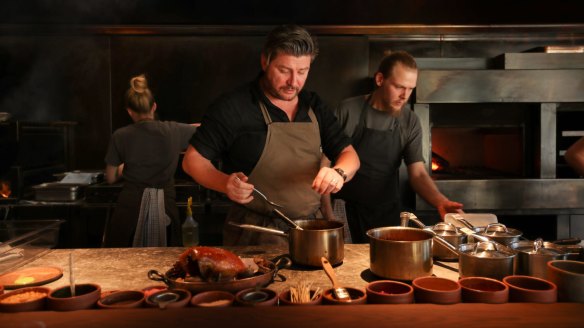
<point>483,290</point>
<point>35,304</point>
<point>256,297</point>
<point>389,292</point>
<point>182,298</point>
<point>122,299</point>
<point>284,298</point>
<point>358,296</point>
<point>213,298</point>
<point>153,289</point>
<point>527,289</point>
<point>86,296</point>
<point>569,279</point>
<point>436,290</point>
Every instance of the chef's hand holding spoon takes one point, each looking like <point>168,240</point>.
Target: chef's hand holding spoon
<point>237,189</point>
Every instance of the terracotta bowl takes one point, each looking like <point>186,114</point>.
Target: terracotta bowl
<point>483,290</point>
<point>436,290</point>
<point>158,299</point>
<point>214,298</point>
<point>153,289</point>
<point>34,304</point>
<point>1,289</point>
<point>389,292</point>
<point>122,299</point>
<point>284,298</point>
<point>256,297</point>
<point>569,279</point>
<point>86,296</point>
<point>358,296</point>
<point>529,289</point>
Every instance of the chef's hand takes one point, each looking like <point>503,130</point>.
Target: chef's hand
<point>449,206</point>
<point>238,190</point>
<point>327,181</point>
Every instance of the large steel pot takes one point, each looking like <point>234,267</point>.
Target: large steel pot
<point>533,256</point>
<point>318,238</point>
<point>400,253</point>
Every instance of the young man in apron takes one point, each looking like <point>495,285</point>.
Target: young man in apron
<point>382,135</point>
<point>270,134</point>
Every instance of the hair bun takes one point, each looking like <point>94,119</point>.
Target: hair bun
<point>139,83</point>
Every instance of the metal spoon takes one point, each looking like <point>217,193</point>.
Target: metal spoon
<point>264,196</point>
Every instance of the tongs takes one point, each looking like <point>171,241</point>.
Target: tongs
<point>275,208</point>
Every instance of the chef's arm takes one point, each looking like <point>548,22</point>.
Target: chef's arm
<point>348,161</point>
<point>113,173</point>
<point>575,156</point>
<point>201,169</point>
<point>424,186</point>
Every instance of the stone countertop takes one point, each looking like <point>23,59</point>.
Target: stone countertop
<point>127,268</point>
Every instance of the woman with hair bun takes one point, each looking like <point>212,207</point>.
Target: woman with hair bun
<point>146,155</point>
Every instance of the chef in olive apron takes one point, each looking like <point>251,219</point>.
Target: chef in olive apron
<point>270,134</point>
<point>383,134</point>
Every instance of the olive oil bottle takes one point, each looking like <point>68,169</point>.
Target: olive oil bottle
<point>190,228</point>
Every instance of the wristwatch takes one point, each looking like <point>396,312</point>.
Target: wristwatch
<point>341,173</point>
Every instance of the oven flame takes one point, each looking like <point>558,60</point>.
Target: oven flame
<point>439,163</point>
<point>5,189</point>
<point>435,166</point>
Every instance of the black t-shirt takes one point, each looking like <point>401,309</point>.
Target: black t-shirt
<point>233,129</point>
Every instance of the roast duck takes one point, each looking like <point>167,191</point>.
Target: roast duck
<point>201,263</point>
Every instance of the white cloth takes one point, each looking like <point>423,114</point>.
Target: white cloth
<point>152,220</point>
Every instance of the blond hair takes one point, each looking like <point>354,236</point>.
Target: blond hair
<point>139,97</point>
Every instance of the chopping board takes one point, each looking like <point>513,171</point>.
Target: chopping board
<point>35,276</point>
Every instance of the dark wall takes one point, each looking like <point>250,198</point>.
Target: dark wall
<point>72,60</point>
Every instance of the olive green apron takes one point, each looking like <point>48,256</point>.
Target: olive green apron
<point>284,173</point>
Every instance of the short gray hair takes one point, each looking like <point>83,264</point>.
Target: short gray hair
<point>291,40</point>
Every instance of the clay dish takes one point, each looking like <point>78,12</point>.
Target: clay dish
<point>483,290</point>
<point>389,292</point>
<point>36,302</point>
<point>569,279</point>
<point>256,297</point>
<point>214,298</point>
<point>158,299</point>
<point>1,289</point>
<point>153,289</point>
<point>436,290</point>
<point>527,289</point>
<point>86,296</point>
<point>122,299</point>
<point>284,298</point>
<point>358,296</point>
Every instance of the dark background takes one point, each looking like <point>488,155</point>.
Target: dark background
<point>72,60</point>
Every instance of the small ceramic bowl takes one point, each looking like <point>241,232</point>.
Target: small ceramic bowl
<point>569,279</point>
<point>284,298</point>
<point>1,289</point>
<point>389,292</point>
<point>122,299</point>
<point>214,298</point>
<point>527,289</point>
<point>436,290</point>
<point>153,289</point>
<point>256,297</point>
<point>358,296</point>
<point>86,296</point>
<point>169,298</point>
<point>483,290</point>
<point>24,299</point>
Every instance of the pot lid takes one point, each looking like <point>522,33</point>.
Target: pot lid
<point>445,229</point>
<point>487,249</point>
<point>499,230</point>
<point>536,247</point>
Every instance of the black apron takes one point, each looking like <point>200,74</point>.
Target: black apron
<point>371,197</point>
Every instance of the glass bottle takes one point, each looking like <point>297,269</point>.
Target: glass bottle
<point>190,228</point>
